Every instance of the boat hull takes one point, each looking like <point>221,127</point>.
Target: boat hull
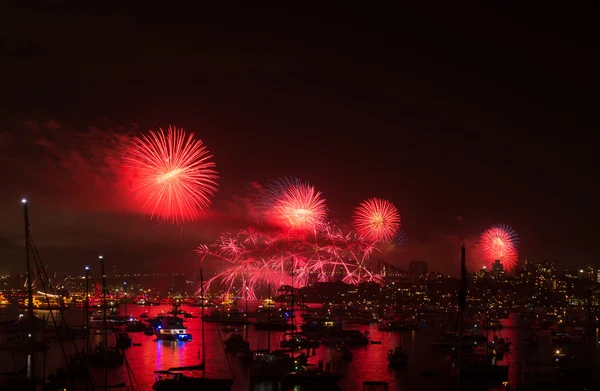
<point>185,383</point>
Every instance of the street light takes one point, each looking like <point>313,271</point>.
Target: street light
<point>23,200</point>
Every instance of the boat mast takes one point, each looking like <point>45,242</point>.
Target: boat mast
<point>462,296</point>
<point>86,310</point>
<point>30,356</point>
<point>125,296</point>
<point>104,322</point>
<point>269,322</point>
<point>292,302</point>
<point>202,316</point>
<point>246,314</point>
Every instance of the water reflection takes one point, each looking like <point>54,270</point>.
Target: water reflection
<point>426,367</point>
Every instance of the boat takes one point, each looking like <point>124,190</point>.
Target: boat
<point>364,317</point>
<point>473,370</point>
<point>171,328</point>
<point>452,345</point>
<point>277,324</point>
<point>174,380</point>
<point>271,365</point>
<point>134,326</point>
<point>245,354</point>
<point>232,316</point>
<point>103,355</point>
<point>397,357</point>
<point>345,337</point>
<point>375,386</point>
<point>3,300</point>
<point>107,357</point>
<point>123,340</point>
<point>314,328</point>
<point>44,302</point>
<point>398,325</point>
<point>297,341</point>
<point>97,318</point>
<point>234,343</point>
<point>311,376</point>
<point>144,301</point>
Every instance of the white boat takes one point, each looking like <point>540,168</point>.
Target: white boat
<point>172,329</point>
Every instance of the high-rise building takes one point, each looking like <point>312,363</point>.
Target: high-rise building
<point>546,275</point>
<point>417,270</point>
<point>529,265</point>
<point>589,273</point>
<point>498,272</point>
<point>481,274</point>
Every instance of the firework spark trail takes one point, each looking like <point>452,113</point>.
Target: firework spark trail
<point>377,219</point>
<point>499,242</point>
<point>269,258</point>
<point>304,245</point>
<point>294,205</point>
<point>171,175</point>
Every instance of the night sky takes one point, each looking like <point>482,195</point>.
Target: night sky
<point>486,114</point>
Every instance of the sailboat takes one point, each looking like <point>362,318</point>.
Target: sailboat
<point>268,365</point>
<point>103,355</point>
<point>31,323</point>
<point>474,370</point>
<point>246,353</point>
<point>173,379</point>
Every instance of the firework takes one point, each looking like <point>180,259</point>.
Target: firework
<point>293,204</point>
<point>499,242</point>
<point>377,219</point>
<point>172,175</point>
<point>253,259</point>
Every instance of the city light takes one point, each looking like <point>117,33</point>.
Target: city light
<point>23,200</point>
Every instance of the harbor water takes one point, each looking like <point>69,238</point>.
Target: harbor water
<point>427,367</point>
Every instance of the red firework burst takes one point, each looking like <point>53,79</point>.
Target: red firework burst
<point>499,242</point>
<point>171,174</point>
<point>295,205</point>
<point>377,219</point>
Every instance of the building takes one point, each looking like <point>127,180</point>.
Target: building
<point>589,273</point>
<point>498,272</point>
<point>546,275</point>
<point>529,265</point>
<point>417,270</point>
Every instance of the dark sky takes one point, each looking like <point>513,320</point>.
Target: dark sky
<point>488,114</point>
